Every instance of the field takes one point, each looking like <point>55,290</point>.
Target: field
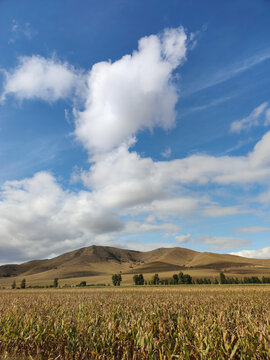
<point>195,322</point>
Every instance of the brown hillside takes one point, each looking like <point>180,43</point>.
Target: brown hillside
<point>98,263</point>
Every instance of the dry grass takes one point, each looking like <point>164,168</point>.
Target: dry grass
<point>96,264</point>
<point>211,322</point>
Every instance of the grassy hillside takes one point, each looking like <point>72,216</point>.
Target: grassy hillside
<point>96,264</point>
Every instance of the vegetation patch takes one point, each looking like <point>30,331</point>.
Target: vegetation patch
<point>181,322</point>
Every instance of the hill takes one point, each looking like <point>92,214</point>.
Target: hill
<point>96,264</point>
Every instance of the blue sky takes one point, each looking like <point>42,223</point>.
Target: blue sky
<point>137,124</point>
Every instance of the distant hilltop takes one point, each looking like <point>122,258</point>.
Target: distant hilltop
<point>103,261</point>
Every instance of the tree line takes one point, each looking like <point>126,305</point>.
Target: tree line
<point>23,284</point>
<point>245,280</point>
<point>138,279</point>
<point>181,278</point>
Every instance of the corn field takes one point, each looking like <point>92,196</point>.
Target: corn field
<point>213,322</point>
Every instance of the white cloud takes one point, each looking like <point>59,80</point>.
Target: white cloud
<point>145,246</point>
<point>267,117</point>
<point>216,210</point>
<point>150,219</point>
<point>19,30</point>
<point>254,229</point>
<point>38,78</point>
<point>177,206</point>
<point>263,253</point>
<point>222,243</point>
<point>134,93</point>
<point>264,197</point>
<point>37,216</point>
<point>202,169</point>
<point>183,238</point>
<point>134,227</point>
<point>252,119</point>
<point>166,153</point>
<point>123,178</point>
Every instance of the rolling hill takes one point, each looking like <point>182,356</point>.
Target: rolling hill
<point>96,264</point>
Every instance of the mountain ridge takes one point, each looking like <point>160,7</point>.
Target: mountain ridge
<point>97,261</point>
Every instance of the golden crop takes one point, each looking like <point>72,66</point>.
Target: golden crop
<point>196,322</point>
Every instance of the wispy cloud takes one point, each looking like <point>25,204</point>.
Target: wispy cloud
<point>235,70</point>
<point>166,153</point>
<point>18,31</point>
<point>209,104</point>
<point>253,229</point>
<point>238,145</point>
<point>260,113</point>
<point>222,243</point>
<point>216,210</point>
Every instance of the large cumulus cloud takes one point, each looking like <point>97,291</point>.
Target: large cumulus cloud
<point>133,93</point>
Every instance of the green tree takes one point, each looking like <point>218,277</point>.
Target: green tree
<point>136,279</point>
<point>222,278</point>
<point>23,284</point>
<point>55,282</point>
<point>141,279</point>
<point>175,279</point>
<point>180,278</point>
<point>13,286</point>
<point>187,279</point>
<point>116,279</point>
<point>155,279</point>
<point>216,281</point>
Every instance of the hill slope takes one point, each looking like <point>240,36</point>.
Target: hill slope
<point>99,262</point>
